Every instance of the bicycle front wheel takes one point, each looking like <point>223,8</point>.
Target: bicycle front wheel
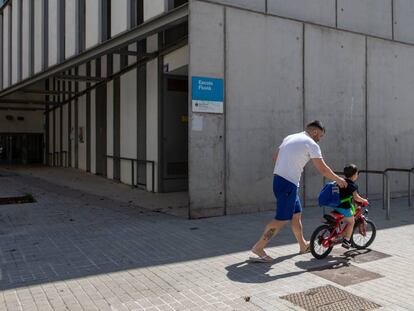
<point>364,234</point>
<point>318,236</point>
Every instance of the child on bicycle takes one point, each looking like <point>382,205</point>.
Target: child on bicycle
<point>348,196</point>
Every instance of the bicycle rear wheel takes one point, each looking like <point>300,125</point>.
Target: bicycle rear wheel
<point>364,234</point>
<point>317,249</point>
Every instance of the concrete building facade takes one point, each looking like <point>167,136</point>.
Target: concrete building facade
<point>195,95</point>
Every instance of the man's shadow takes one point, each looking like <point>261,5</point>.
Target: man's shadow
<point>254,272</point>
<point>257,272</point>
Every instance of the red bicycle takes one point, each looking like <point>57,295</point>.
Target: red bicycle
<point>326,236</point>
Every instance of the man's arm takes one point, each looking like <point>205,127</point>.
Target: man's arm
<point>326,171</point>
<point>275,155</point>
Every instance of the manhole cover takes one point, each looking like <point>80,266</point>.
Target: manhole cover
<point>345,274</point>
<point>362,255</point>
<point>330,298</point>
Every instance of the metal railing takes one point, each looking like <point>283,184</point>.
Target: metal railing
<point>402,170</point>
<point>55,158</point>
<point>138,161</point>
<point>386,193</point>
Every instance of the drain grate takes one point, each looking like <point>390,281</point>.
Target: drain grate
<point>330,298</point>
<point>345,274</point>
<point>27,198</point>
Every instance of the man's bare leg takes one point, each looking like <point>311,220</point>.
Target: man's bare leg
<point>271,229</point>
<point>297,229</point>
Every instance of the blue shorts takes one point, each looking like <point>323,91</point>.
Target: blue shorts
<point>347,212</point>
<point>287,199</point>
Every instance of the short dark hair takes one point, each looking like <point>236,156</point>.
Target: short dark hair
<point>316,123</point>
<point>350,170</point>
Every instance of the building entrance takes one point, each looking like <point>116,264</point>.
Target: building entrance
<point>21,148</point>
<point>174,174</point>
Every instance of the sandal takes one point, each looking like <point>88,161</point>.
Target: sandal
<point>264,258</point>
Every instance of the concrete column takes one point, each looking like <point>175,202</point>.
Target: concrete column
<point>206,131</point>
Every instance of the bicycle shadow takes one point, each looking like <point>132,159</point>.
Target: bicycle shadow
<point>335,260</point>
<point>254,272</point>
<point>258,272</point>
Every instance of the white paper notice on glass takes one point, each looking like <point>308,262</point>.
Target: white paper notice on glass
<point>197,123</point>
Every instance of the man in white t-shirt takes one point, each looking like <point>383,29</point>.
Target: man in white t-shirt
<point>290,159</point>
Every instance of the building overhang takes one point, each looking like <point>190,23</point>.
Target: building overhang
<point>37,91</point>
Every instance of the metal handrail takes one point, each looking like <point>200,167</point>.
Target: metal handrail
<point>403,170</point>
<point>133,168</point>
<point>386,196</point>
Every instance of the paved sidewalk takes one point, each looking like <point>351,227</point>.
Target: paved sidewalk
<point>77,251</point>
<point>175,204</point>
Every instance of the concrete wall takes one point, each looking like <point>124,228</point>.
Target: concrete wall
<point>317,11</point>
<point>53,32</point>
<point>372,17</point>
<point>206,146</point>
<point>33,122</point>
<point>152,119</point>
<point>38,36</point>
<point>255,5</point>
<point>262,106</point>
<point>390,109</point>
<point>128,124</point>
<point>15,41</point>
<point>6,40</point>
<point>92,9</point>
<point>403,20</point>
<point>335,93</point>
<point>119,20</point>
<point>70,28</point>
<point>25,38</point>
<point>153,8</point>
<point>359,87</point>
<point>177,58</point>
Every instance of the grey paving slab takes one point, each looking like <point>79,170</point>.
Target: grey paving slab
<point>71,250</point>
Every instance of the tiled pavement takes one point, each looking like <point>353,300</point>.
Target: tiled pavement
<point>77,251</point>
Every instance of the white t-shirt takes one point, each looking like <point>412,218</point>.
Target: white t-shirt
<point>294,152</point>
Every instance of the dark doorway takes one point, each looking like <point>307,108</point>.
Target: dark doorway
<point>16,148</point>
<point>175,134</point>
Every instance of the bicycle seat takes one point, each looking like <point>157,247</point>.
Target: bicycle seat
<point>333,217</point>
<point>337,216</point>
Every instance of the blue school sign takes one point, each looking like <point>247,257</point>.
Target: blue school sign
<point>207,94</point>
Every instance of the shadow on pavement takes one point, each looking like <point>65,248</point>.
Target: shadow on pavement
<point>70,234</point>
<point>255,272</point>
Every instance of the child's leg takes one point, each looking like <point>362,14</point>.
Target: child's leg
<point>348,232</point>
